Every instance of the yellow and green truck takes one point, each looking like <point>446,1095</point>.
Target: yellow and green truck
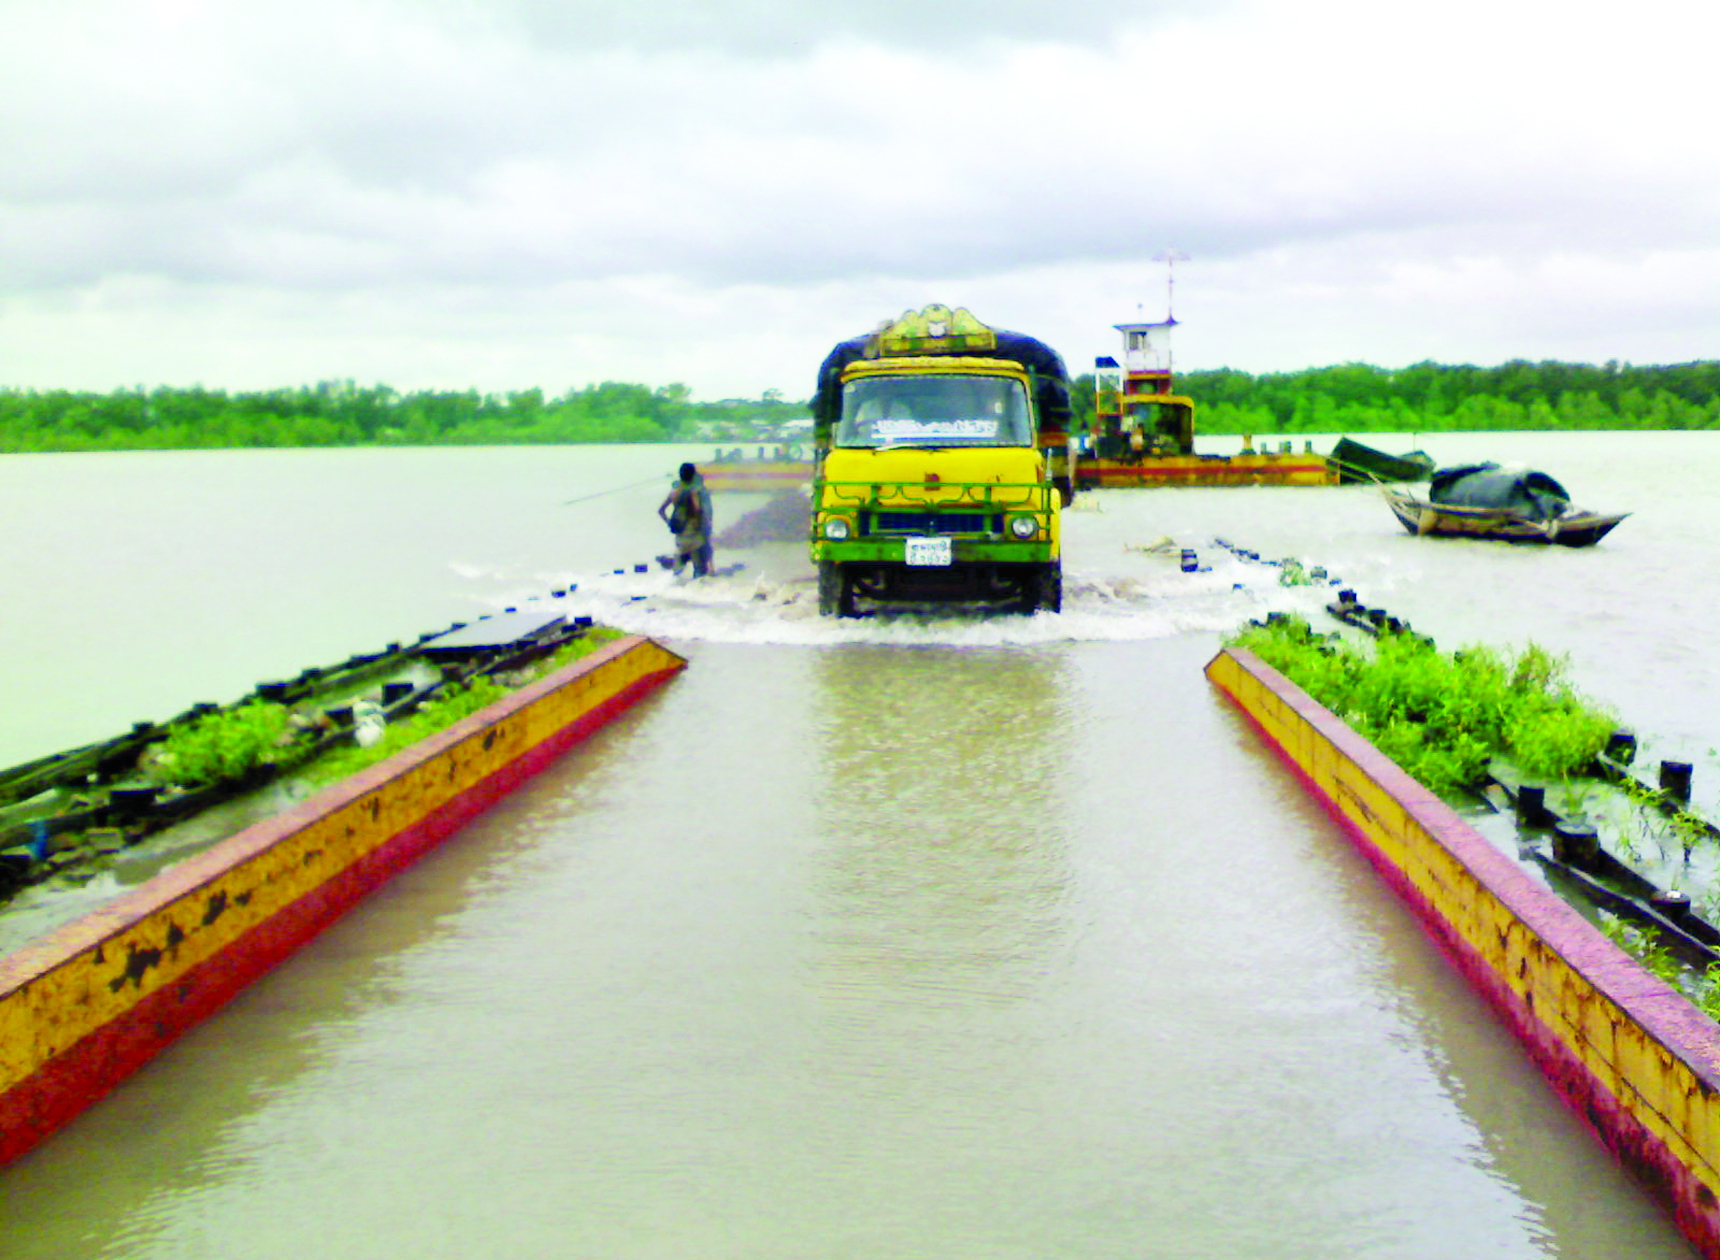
<point>942,467</point>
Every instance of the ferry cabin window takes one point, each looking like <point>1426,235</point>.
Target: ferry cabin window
<point>891,411</point>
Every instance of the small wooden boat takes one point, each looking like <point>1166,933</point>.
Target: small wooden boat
<point>1501,504</point>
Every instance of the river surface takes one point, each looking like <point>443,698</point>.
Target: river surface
<point>948,936</point>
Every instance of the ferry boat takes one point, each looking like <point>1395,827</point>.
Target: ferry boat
<point>1142,433</point>
<point>759,469</point>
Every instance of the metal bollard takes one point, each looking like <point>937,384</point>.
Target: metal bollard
<point>1577,844</point>
<point>1672,904</point>
<point>1532,805</point>
<point>129,800</point>
<point>1675,781</point>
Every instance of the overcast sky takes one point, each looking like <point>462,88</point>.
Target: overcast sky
<point>549,193</point>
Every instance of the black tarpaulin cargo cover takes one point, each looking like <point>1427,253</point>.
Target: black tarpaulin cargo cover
<point>1051,378</point>
<point>1533,494</point>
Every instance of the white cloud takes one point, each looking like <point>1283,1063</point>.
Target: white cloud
<point>439,194</point>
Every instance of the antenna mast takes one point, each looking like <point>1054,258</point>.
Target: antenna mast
<point>1170,258</point>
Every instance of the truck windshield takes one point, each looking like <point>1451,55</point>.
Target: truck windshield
<point>883,411</point>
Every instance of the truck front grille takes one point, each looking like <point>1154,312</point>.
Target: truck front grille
<point>936,523</point>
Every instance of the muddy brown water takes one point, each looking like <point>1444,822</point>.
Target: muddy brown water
<point>915,936</point>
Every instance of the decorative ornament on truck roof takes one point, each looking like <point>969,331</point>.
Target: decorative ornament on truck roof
<point>935,330</point>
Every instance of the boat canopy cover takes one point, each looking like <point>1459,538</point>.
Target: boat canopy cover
<point>1533,494</point>
<point>1363,463</point>
<point>1050,377</point>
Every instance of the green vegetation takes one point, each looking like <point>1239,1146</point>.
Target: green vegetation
<point>228,743</point>
<point>435,715</point>
<point>1441,716</point>
<point>452,705</point>
<point>1346,398</point>
<point>1709,994</point>
<point>1432,397</point>
<point>342,414</point>
<point>1657,825</point>
<point>1647,947</point>
<point>217,750</point>
<point>222,745</point>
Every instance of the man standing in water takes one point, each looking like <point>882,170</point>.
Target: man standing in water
<point>687,509</point>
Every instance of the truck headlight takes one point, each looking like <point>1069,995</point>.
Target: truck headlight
<point>1023,527</point>
<point>836,529</point>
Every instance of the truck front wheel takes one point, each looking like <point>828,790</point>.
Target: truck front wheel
<point>835,591</point>
<point>1044,589</point>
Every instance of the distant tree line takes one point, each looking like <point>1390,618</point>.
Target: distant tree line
<point>337,413</point>
<point>1348,398</point>
<point>1354,397</point>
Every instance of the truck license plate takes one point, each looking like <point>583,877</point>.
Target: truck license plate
<point>928,551</point>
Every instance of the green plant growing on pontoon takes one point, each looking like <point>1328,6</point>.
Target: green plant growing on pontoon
<point>1708,996</point>
<point>223,745</point>
<point>1657,957</point>
<point>1646,946</point>
<point>453,704</point>
<point>1691,830</point>
<point>1648,826</point>
<point>1615,930</point>
<point>1441,716</point>
<point>437,714</point>
<point>1578,796</point>
<point>1556,734</point>
<point>1657,825</point>
<point>576,649</point>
